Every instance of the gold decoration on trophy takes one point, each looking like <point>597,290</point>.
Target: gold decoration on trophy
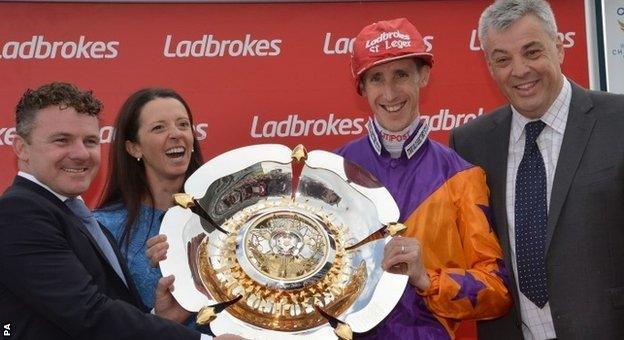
<point>344,332</point>
<point>299,153</point>
<point>208,313</point>
<point>391,229</point>
<point>184,200</point>
<point>395,229</point>
<point>291,258</point>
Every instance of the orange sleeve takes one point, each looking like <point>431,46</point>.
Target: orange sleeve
<point>467,274</point>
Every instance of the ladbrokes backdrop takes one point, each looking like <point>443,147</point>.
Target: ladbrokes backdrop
<point>252,73</point>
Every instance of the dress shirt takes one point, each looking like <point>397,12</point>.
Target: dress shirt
<point>536,323</point>
<point>35,180</point>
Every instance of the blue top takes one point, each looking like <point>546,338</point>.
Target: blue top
<point>147,225</point>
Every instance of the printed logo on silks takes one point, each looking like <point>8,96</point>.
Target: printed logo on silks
<point>385,41</point>
<point>394,137</point>
<point>389,40</point>
<point>338,45</point>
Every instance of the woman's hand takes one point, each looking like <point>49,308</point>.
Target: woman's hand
<point>157,247</point>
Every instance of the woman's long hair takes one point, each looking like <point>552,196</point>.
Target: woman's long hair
<point>126,179</point>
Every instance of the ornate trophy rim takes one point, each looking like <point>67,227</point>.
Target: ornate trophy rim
<point>282,265</point>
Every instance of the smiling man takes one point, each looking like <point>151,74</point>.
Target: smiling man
<point>555,165</point>
<point>449,251</point>
<point>61,277</point>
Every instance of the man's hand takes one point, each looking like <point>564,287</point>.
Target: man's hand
<point>157,247</point>
<point>166,305</point>
<point>402,255</point>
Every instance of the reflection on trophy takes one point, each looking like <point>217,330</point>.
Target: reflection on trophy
<point>272,243</point>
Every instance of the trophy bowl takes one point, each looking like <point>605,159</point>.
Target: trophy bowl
<point>269,242</point>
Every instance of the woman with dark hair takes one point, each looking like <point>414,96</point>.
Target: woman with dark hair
<point>154,151</point>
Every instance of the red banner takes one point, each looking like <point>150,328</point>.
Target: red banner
<point>252,73</point>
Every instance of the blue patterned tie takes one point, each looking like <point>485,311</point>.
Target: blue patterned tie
<point>531,215</point>
<point>78,207</point>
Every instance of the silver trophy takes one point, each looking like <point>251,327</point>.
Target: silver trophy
<point>269,242</point>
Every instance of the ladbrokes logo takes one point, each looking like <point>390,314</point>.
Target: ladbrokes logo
<point>40,48</point>
<point>210,47</point>
<point>293,126</point>
<point>107,132</point>
<point>344,45</point>
<point>6,135</point>
<point>567,38</point>
<point>444,120</point>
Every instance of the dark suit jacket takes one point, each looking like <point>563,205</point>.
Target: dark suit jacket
<point>585,231</point>
<point>56,284</point>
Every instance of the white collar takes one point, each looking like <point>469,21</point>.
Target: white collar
<point>418,137</point>
<point>555,117</point>
<point>35,180</point>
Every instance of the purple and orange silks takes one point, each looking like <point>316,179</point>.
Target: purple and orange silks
<point>443,201</point>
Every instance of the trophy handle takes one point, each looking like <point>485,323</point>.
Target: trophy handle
<point>341,329</point>
<point>187,201</point>
<point>208,313</point>
<point>391,229</point>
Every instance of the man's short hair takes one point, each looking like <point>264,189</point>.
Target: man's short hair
<point>64,95</point>
<point>504,13</point>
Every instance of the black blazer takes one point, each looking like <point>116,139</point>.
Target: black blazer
<point>55,282</point>
<point>585,231</point>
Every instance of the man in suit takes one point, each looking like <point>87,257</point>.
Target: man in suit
<point>61,276</point>
<point>554,160</point>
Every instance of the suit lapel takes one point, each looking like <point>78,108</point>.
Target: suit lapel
<point>497,146</point>
<point>124,268</point>
<point>32,186</point>
<point>577,132</point>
